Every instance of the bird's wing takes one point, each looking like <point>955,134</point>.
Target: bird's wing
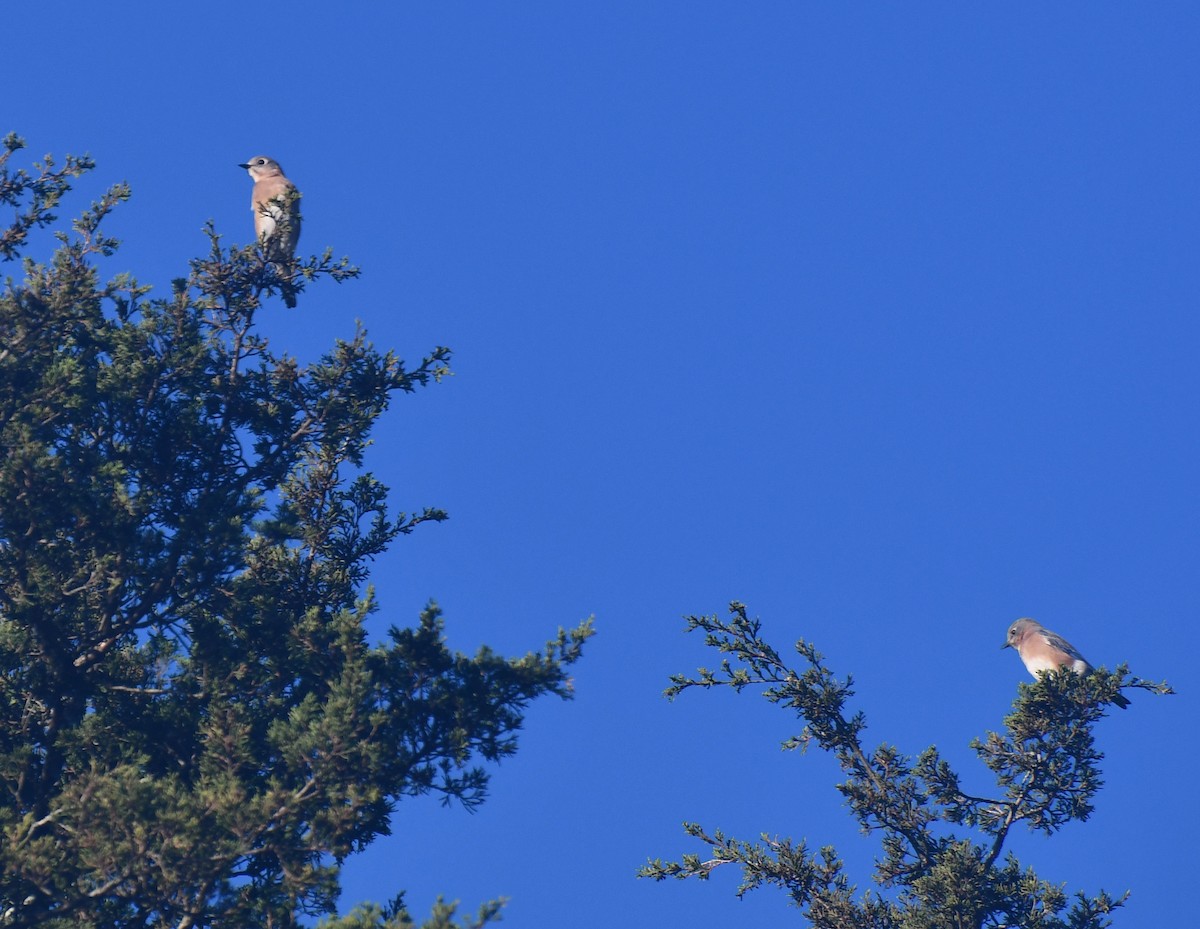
<point>1057,641</point>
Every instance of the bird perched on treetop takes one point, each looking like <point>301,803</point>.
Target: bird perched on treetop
<point>276,205</point>
<point>1043,650</point>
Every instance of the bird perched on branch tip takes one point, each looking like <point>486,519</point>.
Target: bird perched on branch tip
<point>276,206</point>
<point>1043,650</point>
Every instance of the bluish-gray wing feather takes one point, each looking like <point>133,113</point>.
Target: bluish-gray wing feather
<point>1057,641</point>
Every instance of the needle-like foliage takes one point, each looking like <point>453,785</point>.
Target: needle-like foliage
<point>195,729</point>
<point>941,865</point>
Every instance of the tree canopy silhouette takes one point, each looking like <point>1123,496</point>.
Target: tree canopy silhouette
<point>942,864</point>
<point>194,727</point>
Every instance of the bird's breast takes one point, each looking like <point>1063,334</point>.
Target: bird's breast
<point>1036,663</point>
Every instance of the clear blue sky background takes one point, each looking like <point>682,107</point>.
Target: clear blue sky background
<point>881,318</point>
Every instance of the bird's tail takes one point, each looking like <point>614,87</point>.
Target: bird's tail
<point>285,275</point>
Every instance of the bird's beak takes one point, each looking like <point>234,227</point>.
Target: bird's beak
<point>1006,645</point>
<point>247,167</point>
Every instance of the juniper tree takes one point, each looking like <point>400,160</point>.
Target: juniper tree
<point>396,916</point>
<point>941,864</point>
<point>195,729</point>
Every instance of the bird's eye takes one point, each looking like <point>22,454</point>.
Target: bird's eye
<point>261,161</point>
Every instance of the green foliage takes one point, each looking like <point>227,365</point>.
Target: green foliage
<point>396,916</point>
<point>1046,770</point>
<point>194,729</point>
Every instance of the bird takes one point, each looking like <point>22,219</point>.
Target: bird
<point>276,206</point>
<point>1043,650</point>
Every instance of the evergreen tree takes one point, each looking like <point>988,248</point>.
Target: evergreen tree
<point>942,847</point>
<point>194,728</point>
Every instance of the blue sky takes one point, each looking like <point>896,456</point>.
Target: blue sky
<point>880,318</point>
